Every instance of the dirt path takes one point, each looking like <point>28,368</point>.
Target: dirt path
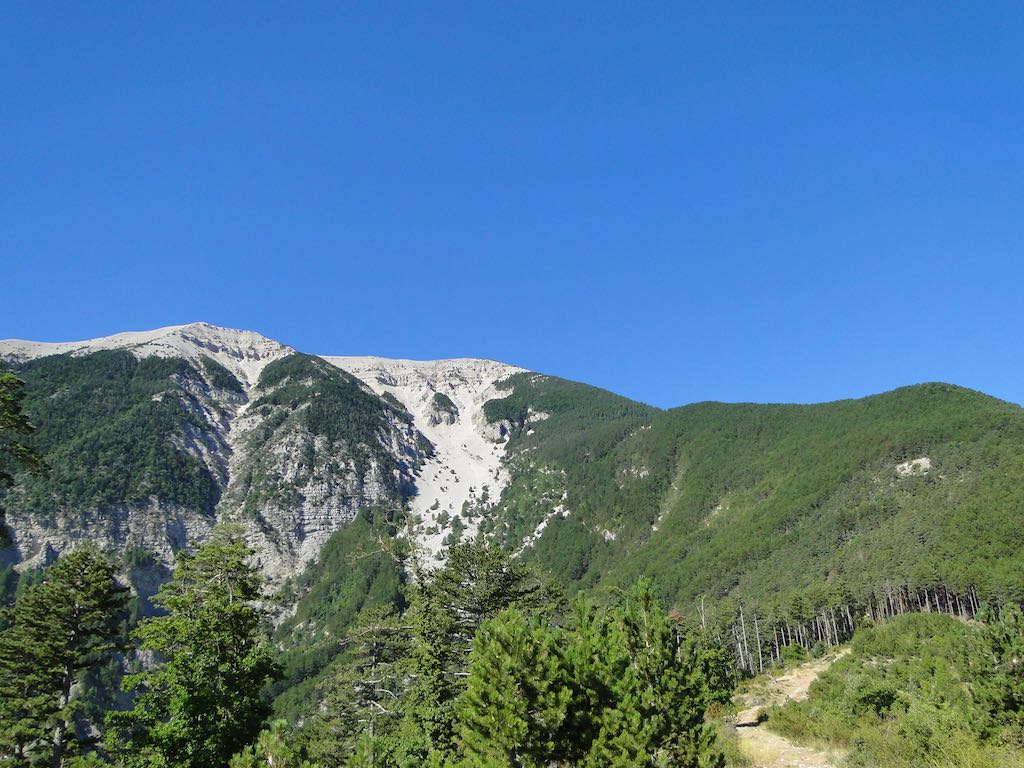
<point>767,749</point>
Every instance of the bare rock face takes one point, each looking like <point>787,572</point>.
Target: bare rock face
<point>465,475</point>
<point>296,479</point>
<point>203,405</point>
<point>158,528</point>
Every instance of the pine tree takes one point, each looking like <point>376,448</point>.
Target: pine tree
<point>659,693</point>
<point>618,687</point>
<point>202,703</point>
<point>996,665</point>
<point>58,630</point>
<point>517,697</point>
<point>362,701</point>
<point>478,582</point>
<point>272,748</point>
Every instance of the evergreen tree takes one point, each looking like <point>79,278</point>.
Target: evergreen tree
<point>14,453</point>
<point>995,661</point>
<point>361,704</point>
<point>658,689</point>
<point>478,582</point>
<point>202,703</point>
<point>272,748</point>
<point>57,631</point>
<point>619,687</point>
<point>517,696</point>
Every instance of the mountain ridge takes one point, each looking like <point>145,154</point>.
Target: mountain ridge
<point>544,465</point>
<point>793,513</point>
<point>149,340</point>
<point>226,377</point>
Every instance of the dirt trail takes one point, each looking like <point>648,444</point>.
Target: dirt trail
<point>767,749</point>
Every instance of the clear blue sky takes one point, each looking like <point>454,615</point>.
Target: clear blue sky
<point>678,201</point>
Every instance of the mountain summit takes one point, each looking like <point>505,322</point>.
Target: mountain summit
<point>243,353</point>
<point>292,445</point>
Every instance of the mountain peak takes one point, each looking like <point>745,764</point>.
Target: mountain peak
<point>244,353</point>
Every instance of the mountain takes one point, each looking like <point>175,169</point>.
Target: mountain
<point>156,436</point>
<point>243,353</point>
<point>792,508</point>
<point>446,400</point>
<point>796,514</point>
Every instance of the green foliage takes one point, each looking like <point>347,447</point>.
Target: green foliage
<point>995,662</point>
<point>514,710</point>
<point>14,584</point>
<point>338,407</point>
<point>88,760</point>
<point>442,402</point>
<point>477,583</point>
<point>364,691</point>
<point>479,674</point>
<point>106,422</point>
<point>793,654</point>
<point>789,508</point>
<point>358,570</point>
<point>220,377</point>
<point>396,405</point>
<point>202,703</point>
<point>15,454</point>
<point>59,630</point>
<point>14,423</point>
<point>574,428</point>
<point>568,402</point>
<point>618,687</point>
<point>273,747</point>
<point>8,583</point>
<point>919,690</point>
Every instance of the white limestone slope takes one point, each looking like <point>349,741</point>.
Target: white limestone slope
<point>466,472</point>
<point>244,353</point>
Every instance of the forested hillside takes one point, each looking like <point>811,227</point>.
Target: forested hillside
<point>909,500</point>
<point>108,422</point>
<point>149,451</point>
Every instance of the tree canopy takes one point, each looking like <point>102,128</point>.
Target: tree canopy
<point>203,702</point>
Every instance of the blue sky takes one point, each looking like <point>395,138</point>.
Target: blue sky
<point>678,201</point>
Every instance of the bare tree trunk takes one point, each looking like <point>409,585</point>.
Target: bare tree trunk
<point>747,659</point>
<point>757,637</point>
<point>60,730</point>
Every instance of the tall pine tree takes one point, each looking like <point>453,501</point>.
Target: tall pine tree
<point>57,631</point>
<point>516,703</point>
<point>618,687</point>
<point>477,582</point>
<point>361,704</point>
<point>202,703</point>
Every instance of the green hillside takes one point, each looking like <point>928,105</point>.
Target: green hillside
<point>564,438</point>
<point>354,573</point>
<point>770,525</point>
<point>316,423</point>
<point>911,495</point>
<point>108,423</point>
